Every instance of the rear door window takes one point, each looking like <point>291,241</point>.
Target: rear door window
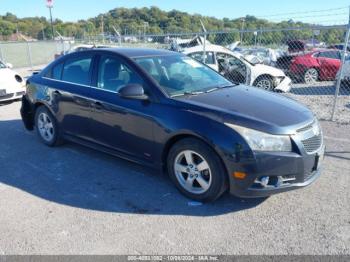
<point>330,55</point>
<point>77,70</point>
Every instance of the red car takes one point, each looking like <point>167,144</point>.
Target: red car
<point>317,65</point>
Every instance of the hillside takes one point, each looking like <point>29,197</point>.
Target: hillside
<point>131,21</point>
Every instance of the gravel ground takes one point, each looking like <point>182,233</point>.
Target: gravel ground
<point>320,99</point>
<point>72,200</point>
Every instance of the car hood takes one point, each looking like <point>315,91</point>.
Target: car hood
<point>251,107</point>
<point>265,69</point>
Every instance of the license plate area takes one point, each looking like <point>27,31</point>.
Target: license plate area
<point>2,92</point>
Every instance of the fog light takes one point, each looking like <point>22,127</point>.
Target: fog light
<point>239,175</point>
<point>264,181</point>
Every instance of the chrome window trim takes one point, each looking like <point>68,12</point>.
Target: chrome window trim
<point>89,86</point>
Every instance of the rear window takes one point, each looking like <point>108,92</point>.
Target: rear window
<point>77,70</point>
<point>57,71</point>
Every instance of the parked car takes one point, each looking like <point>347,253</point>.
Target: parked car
<point>267,56</point>
<point>339,47</point>
<point>320,65</point>
<point>164,109</point>
<point>12,86</point>
<point>236,68</point>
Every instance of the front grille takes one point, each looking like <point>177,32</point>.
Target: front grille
<point>6,96</point>
<point>312,144</point>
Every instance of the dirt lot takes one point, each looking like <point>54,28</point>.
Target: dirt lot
<point>72,200</point>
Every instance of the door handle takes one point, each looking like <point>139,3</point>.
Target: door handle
<point>98,105</point>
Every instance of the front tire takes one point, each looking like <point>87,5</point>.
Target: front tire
<point>47,127</point>
<point>196,170</point>
<point>265,82</point>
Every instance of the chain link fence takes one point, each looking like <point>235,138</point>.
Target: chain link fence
<point>301,63</point>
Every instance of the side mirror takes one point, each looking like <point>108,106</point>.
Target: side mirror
<point>133,91</point>
<point>8,65</point>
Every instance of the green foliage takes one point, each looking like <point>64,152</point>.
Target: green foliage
<point>137,21</point>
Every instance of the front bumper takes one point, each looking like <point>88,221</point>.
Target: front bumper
<point>11,94</point>
<point>285,85</point>
<point>301,169</point>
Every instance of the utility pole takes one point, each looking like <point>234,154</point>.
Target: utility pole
<point>49,4</point>
<point>43,32</point>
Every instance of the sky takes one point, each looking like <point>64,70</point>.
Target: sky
<point>313,11</point>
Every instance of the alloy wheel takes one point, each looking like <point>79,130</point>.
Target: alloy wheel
<point>192,172</point>
<point>311,76</point>
<point>264,84</point>
<point>45,127</point>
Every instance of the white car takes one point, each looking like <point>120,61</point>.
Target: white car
<point>236,68</point>
<point>12,85</point>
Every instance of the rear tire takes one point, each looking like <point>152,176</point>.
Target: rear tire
<point>196,170</point>
<point>46,127</point>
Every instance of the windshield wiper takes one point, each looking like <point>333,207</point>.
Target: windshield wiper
<point>219,87</point>
<point>188,93</point>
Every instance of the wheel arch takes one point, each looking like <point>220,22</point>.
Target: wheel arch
<point>180,136</point>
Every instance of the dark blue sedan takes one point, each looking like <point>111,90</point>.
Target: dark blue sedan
<point>166,110</point>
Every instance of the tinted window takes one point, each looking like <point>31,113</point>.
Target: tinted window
<point>77,70</point>
<point>332,55</point>
<point>57,71</point>
<point>209,59</point>
<point>114,74</point>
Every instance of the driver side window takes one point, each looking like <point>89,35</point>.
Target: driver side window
<point>114,74</point>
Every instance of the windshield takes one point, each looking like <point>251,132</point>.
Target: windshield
<point>2,65</point>
<point>181,75</point>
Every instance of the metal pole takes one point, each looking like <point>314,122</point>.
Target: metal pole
<point>52,30</point>
<point>29,54</point>
<point>341,69</point>
<point>204,59</point>
<point>1,55</point>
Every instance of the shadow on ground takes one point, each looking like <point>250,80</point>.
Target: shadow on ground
<point>320,89</point>
<point>76,176</point>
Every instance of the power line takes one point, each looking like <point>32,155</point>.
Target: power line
<point>310,16</point>
<point>305,12</point>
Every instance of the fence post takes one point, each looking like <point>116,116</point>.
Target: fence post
<point>1,55</point>
<point>341,72</point>
<point>205,42</point>
<point>29,54</point>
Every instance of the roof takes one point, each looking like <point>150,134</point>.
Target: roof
<point>140,52</point>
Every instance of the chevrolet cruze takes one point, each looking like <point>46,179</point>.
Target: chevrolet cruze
<point>168,111</point>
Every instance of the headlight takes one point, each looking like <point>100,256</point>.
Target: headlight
<point>278,80</point>
<point>260,141</point>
